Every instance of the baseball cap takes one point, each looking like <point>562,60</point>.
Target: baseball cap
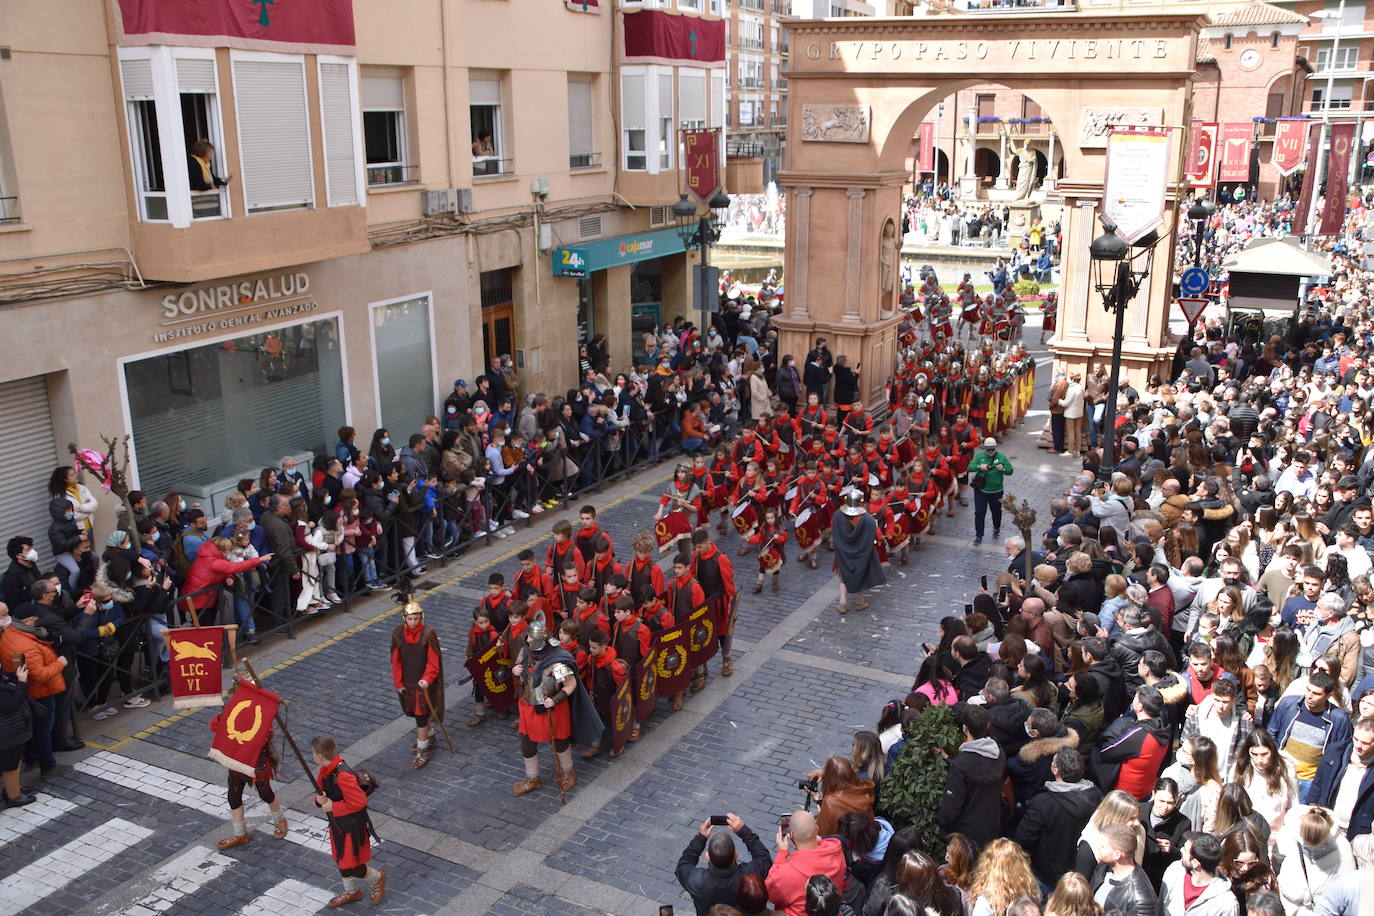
<point>989,442</point>
<point>460,383</point>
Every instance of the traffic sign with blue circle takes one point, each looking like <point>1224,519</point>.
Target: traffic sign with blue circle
<point>1194,282</point>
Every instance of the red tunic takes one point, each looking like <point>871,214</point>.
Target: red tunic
<point>348,849</point>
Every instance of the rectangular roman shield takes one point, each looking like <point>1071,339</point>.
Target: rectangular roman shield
<point>194,658</point>
<point>1309,178</point>
<point>672,668</point>
<point>701,635</point>
<point>1202,154</point>
<point>1235,151</point>
<point>491,672</point>
<point>243,727</point>
<point>622,714</point>
<point>646,685</point>
<point>1337,179</point>
<point>701,155</point>
<point>1289,146</point>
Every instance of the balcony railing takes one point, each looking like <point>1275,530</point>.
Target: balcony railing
<point>750,44</point>
<point>1019,6</point>
<point>392,174</point>
<point>491,167</point>
<point>751,82</point>
<point>584,161</point>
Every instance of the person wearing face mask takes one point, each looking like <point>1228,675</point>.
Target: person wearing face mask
<point>381,452</point>
<point>64,533</point>
<point>16,727</point>
<point>22,571</point>
<point>53,616</point>
<point>22,647</point>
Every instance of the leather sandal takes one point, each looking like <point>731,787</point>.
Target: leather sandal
<point>677,701</point>
<point>279,831</point>
<point>236,840</point>
<point>591,752</point>
<point>567,780</point>
<point>526,785</point>
<point>344,899</point>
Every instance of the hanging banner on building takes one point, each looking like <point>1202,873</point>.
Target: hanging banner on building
<point>1137,181</point>
<point>656,36</point>
<point>194,657</point>
<point>1309,178</point>
<point>701,153</point>
<point>1289,145</point>
<point>1235,151</point>
<point>583,6</point>
<point>244,727</point>
<point>297,26</point>
<point>925,156</point>
<point>1202,154</point>
<point>1337,178</point>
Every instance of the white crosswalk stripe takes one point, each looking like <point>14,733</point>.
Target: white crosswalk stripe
<point>289,898</point>
<point>162,784</point>
<point>184,875</point>
<point>58,869</point>
<point>29,818</point>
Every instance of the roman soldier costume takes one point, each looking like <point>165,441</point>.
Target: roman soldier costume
<point>554,708</point>
<point>417,673</point>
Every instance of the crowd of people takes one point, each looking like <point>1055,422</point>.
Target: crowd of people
<point>1166,704</point>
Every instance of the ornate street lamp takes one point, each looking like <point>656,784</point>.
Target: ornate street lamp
<point>701,232</point>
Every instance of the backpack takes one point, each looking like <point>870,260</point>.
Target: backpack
<point>366,781</point>
<point>180,562</point>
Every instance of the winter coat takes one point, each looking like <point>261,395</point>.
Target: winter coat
<point>211,568</point>
<point>1172,828</point>
<point>281,542</point>
<point>1216,898</point>
<point>1072,402</point>
<point>791,870</point>
<point>1127,648</point>
<point>1337,751</point>
<point>972,803</point>
<point>1113,513</point>
<point>1132,897</point>
<point>63,533</point>
<point>789,384</point>
<point>972,676</point>
<point>1029,767</point>
<point>836,804</point>
<point>709,885</point>
<point>1130,756</point>
<point>16,719</point>
<point>1306,871</point>
<point>1061,811</point>
<point>1008,719</point>
<point>45,672</point>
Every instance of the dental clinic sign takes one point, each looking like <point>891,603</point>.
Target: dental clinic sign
<point>201,310</point>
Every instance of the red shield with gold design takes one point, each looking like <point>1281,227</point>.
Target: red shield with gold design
<point>672,528</point>
<point>491,672</point>
<point>701,636</point>
<point>672,661</point>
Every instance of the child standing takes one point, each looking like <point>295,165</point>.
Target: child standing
<point>769,538</point>
<point>344,801</point>
<point>480,639</point>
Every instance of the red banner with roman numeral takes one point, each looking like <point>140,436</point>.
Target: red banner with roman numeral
<point>1290,147</point>
<point>194,659</point>
<point>925,156</point>
<point>300,26</point>
<point>701,149</point>
<point>1337,178</point>
<point>1235,151</point>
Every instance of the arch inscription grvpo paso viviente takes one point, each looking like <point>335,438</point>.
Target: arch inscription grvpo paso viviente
<point>860,89</point>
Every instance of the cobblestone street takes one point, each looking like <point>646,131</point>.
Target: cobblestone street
<point>132,829</point>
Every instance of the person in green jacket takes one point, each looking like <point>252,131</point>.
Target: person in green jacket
<point>995,466</point>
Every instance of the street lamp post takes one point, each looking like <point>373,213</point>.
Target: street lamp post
<point>700,232</point>
<point>1117,282</point>
<point>1199,213</point>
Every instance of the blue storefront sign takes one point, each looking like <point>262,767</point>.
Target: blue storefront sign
<point>580,260</point>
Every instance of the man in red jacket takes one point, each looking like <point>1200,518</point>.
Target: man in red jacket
<point>801,854</point>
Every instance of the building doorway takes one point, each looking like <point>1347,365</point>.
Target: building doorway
<point>498,315</point>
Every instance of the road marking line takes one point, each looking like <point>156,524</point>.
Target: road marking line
<point>29,818</point>
<point>164,785</point>
<point>182,876</point>
<point>63,867</point>
<point>288,898</point>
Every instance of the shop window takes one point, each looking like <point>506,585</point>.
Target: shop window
<point>208,414</point>
<point>401,340</point>
<point>274,133</point>
<point>384,127</point>
<point>485,116</point>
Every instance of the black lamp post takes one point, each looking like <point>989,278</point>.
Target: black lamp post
<point>700,232</point>
<point>1200,212</point>
<point>1117,282</point>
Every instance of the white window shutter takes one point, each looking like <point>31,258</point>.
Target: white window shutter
<point>195,75</point>
<point>691,95</point>
<point>581,138</point>
<point>484,91</point>
<point>383,92</point>
<point>717,99</point>
<point>340,158</point>
<point>632,111</point>
<point>274,133</point>
<point>138,79</point>
<point>665,95</point>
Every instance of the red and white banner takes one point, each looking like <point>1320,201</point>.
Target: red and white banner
<point>1290,147</point>
<point>244,727</point>
<point>1309,179</point>
<point>925,148</point>
<point>194,659</point>
<point>297,26</point>
<point>655,36</point>
<point>701,150</point>
<point>1337,178</point>
<point>1202,154</point>
<point>1235,151</point>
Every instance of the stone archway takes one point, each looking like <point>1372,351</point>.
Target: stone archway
<point>861,87</point>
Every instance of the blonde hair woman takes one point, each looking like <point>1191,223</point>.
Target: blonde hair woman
<point>1002,874</point>
<point>1313,854</point>
<point>1073,896</point>
<point>1116,807</point>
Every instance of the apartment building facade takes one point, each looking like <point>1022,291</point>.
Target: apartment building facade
<point>400,183</point>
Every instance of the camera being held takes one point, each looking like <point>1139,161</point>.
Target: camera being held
<point>719,880</point>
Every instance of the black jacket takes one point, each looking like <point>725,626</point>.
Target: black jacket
<point>1009,723</point>
<point>846,385</point>
<point>709,885</point>
<point>1172,828</point>
<point>973,676</point>
<point>1111,686</point>
<point>281,542</point>
<point>1029,767</point>
<point>1052,822</point>
<point>1127,646</point>
<point>16,719</point>
<point>1132,897</point>
<point>63,533</point>
<point>973,792</point>
<point>14,585</point>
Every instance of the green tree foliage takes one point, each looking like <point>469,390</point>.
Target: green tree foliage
<point>913,789</point>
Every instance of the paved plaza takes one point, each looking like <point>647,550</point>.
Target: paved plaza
<point>133,828</point>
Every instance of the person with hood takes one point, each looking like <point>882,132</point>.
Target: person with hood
<point>1031,767</point>
<point>1313,854</point>
<point>1007,715</point>
<point>1193,885</point>
<point>1061,810</point>
<point>1110,678</point>
<point>801,853</point>
<point>64,534</point>
<point>856,551</point>
<point>719,881</point>
<point>972,804</point>
<point>1131,750</point>
<point>1136,637</point>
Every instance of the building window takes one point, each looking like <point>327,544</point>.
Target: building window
<point>581,124</point>
<point>198,95</point>
<point>691,6</point>
<point>1226,42</point>
<point>338,118</point>
<point>1340,97</point>
<point>145,140</point>
<point>274,132</point>
<point>1274,39</point>
<point>1347,58</point>
<point>666,139</point>
<point>718,101</point>
<point>634,120</point>
<point>987,106</point>
<point>691,104</point>
<point>488,146</point>
<point>384,127</point>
